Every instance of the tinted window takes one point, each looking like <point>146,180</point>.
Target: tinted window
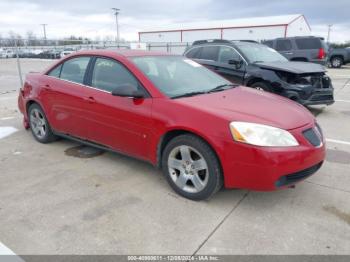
<point>109,74</point>
<point>283,45</point>
<point>209,53</point>
<point>194,53</point>
<point>269,43</point>
<point>308,43</point>
<point>74,69</point>
<point>55,72</point>
<point>226,54</point>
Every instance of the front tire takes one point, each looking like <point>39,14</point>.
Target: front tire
<point>39,125</point>
<point>191,167</point>
<point>261,86</point>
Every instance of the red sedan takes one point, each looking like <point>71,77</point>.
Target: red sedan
<point>201,130</point>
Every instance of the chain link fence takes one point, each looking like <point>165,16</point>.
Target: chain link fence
<point>27,49</point>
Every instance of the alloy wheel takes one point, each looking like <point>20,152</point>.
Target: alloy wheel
<point>188,169</point>
<point>38,123</point>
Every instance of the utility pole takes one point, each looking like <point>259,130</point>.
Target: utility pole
<point>329,33</point>
<point>44,27</point>
<point>116,13</point>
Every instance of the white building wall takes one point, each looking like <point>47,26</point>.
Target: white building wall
<point>161,37</point>
<point>254,33</point>
<point>193,35</point>
<point>298,27</point>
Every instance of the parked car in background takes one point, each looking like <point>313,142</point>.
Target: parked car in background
<point>301,48</point>
<point>201,130</point>
<point>339,57</point>
<point>51,54</point>
<point>258,66</point>
<point>66,52</point>
<point>7,53</point>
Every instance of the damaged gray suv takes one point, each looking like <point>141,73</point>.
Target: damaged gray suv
<point>258,66</point>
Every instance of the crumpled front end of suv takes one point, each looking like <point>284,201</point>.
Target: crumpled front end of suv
<point>307,89</point>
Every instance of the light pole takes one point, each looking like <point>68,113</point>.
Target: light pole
<point>116,13</point>
<point>44,28</point>
<point>329,33</point>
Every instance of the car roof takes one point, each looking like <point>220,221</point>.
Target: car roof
<point>122,52</point>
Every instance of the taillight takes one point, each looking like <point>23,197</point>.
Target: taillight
<point>321,53</point>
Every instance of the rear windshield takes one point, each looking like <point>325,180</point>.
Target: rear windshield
<point>309,43</point>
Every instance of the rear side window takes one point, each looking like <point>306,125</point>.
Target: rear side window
<point>109,74</point>
<point>309,43</point>
<point>74,69</point>
<point>210,53</point>
<point>283,45</point>
<point>56,71</point>
<point>194,53</point>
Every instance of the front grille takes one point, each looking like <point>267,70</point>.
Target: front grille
<point>312,137</point>
<point>295,177</point>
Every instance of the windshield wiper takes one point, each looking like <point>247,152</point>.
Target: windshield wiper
<point>189,94</point>
<point>216,89</point>
<point>257,62</point>
<point>221,88</point>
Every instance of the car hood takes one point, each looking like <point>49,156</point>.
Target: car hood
<point>250,105</point>
<point>293,67</point>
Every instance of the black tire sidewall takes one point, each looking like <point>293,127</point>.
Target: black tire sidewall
<point>214,169</point>
<point>263,85</point>
<point>336,58</point>
<point>49,136</point>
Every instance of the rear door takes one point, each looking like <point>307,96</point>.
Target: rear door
<point>205,55</point>
<point>121,123</point>
<point>64,96</point>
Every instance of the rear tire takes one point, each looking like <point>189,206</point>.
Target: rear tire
<point>191,167</point>
<point>262,86</point>
<point>336,62</point>
<point>39,125</point>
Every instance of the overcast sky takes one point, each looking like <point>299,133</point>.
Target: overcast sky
<point>95,18</point>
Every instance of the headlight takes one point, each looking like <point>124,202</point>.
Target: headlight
<point>261,135</point>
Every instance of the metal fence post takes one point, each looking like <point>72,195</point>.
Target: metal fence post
<point>18,64</point>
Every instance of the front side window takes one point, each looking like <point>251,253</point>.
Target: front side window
<point>74,69</point>
<point>283,45</point>
<point>177,75</point>
<point>226,54</point>
<point>109,74</point>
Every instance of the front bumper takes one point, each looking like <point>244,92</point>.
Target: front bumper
<point>270,168</point>
<point>322,94</point>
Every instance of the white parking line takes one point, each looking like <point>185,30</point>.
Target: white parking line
<point>338,141</point>
<point>10,255</point>
<point>7,118</point>
<point>345,101</point>
<point>7,131</point>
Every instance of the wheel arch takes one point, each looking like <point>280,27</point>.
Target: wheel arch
<point>171,134</point>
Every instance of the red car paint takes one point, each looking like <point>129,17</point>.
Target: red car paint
<point>136,126</point>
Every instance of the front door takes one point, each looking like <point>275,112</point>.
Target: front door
<point>122,123</point>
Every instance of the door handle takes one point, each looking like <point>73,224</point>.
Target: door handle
<point>90,99</point>
<point>289,53</point>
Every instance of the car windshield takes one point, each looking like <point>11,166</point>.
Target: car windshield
<point>177,76</point>
<point>256,53</point>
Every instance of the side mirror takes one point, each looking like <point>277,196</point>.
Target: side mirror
<point>236,62</point>
<point>128,90</point>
